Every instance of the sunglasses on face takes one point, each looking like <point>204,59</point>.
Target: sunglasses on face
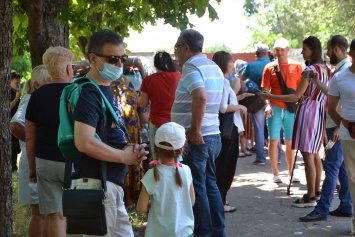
<point>113,59</point>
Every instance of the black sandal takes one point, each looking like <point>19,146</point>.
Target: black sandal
<point>305,201</point>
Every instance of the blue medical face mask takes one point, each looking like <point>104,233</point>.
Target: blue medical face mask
<point>16,88</point>
<point>110,72</point>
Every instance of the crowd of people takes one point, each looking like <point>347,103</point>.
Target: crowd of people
<point>187,105</point>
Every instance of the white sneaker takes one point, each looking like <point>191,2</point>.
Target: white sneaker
<point>277,179</point>
<point>295,179</point>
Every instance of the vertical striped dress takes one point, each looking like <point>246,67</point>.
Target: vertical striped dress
<point>309,126</point>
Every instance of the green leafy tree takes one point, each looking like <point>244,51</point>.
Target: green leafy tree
<point>217,47</point>
<point>22,65</point>
<point>49,20</point>
<point>251,7</point>
<point>345,16</point>
<point>293,20</point>
<point>43,30</point>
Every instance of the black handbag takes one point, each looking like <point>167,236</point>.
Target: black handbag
<point>226,124</point>
<point>291,106</point>
<point>253,103</point>
<point>84,209</point>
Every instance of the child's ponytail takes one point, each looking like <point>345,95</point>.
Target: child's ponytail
<point>156,173</point>
<point>177,174</point>
<point>155,169</point>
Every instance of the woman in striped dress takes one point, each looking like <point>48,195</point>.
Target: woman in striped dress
<point>309,126</point>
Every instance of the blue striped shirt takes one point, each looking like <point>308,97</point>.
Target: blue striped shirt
<point>199,72</point>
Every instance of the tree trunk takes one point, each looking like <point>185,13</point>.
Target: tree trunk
<point>44,30</point>
<point>82,43</point>
<point>6,204</point>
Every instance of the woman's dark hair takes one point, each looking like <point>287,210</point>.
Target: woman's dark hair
<point>164,62</point>
<point>315,46</point>
<point>222,58</point>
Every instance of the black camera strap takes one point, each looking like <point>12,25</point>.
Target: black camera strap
<point>281,80</point>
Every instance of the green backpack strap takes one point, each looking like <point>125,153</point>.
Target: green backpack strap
<point>87,81</point>
<point>110,108</point>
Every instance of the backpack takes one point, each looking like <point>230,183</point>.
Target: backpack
<point>68,100</point>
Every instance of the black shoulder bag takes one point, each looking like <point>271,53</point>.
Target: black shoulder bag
<point>253,103</point>
<point>226,123</point>
<point>84,209</point>
<point>291,106</point>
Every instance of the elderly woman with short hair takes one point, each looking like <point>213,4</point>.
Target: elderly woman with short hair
<point>46,163</point>
<point>38,226</point>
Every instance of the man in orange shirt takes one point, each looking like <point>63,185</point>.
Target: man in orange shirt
<point>275,111</point>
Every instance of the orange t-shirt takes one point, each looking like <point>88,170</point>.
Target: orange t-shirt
<point>291,73</point>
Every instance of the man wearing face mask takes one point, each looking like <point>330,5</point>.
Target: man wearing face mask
<point>15,101</point>
<point>106,56</point>
<point>15,92</point>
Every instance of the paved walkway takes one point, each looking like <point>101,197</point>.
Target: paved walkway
<point>265,210</point>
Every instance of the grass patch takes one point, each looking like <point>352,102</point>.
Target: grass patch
<point>22,212</point>
<point>22,215</point>
<point>138,222</point>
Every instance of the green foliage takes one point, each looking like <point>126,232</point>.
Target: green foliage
<point>165,50</point>
<point>344,15</point>
<point>88,16</point>
<point>296,19</point>
<point>217,47</point>
<point>20,23</point>
<point>251,7</point>
<point>22,65</point>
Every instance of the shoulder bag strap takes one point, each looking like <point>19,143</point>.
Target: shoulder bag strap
<point>281,80</point>
<point>67,173</point>
<point>103,164</point>
<point>110,108</point>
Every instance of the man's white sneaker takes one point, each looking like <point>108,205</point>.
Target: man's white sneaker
<point>277,179</point>
<point>295,179</point>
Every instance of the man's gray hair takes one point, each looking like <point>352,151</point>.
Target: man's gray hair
<point>193,39</point>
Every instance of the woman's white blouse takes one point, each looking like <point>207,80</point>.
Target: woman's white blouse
<point>228,91</point>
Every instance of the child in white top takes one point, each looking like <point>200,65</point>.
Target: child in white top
<point>168,186</point>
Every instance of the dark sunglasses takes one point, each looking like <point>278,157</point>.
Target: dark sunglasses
<point>114,59</point>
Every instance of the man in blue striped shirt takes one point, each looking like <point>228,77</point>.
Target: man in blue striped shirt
<point>197,100</point>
